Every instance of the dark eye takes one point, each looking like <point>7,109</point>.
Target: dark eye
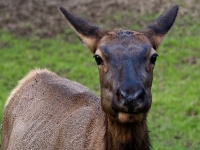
<point>153,59</point>
<point>98,59</point>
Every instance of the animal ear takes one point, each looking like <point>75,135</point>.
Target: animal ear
<point>88,33</point>
<point>159,28</point>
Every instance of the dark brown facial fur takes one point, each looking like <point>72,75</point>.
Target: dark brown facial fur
<point>126,72</point>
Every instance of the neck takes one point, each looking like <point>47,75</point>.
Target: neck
<point>127,136</point>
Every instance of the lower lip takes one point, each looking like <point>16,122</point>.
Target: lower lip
<point>129,118</point>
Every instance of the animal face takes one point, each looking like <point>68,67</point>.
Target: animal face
<point>125,61</point>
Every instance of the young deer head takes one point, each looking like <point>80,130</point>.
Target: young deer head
<point>125,60</point>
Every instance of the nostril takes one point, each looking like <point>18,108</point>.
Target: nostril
<point>121,97</point>
<point>123,94</point>
<point>138,94</point>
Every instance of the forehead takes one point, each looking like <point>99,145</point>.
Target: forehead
<point>123,42</point>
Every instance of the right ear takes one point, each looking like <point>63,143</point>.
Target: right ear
<point>159,28</point>
<point>88,33</point>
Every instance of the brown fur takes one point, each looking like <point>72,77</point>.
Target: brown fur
<point>127,136</point>
<point>48,112</point>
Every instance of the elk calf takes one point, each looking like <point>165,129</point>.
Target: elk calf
<point>46,111</point>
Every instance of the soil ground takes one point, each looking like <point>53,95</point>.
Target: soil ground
<point>42,17</point>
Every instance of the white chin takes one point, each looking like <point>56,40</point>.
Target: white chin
<point>129,118</point>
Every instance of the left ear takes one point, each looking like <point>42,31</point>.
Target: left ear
<point>88,33</point>
<point>159,28</point>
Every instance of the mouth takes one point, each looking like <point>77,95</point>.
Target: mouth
<point>122,112</point>
<point>128,114</point>
<point>129,118</point>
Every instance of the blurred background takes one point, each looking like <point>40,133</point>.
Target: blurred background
<point>34,34</point>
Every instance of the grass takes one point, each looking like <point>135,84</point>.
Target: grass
<point>174,117</point>
<point>175,114</point>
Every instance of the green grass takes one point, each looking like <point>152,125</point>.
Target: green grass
<point>174,119</point>
<point>175,113</point>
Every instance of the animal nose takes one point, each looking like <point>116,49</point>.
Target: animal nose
<point>132,100</point>
<point>131,97</point>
